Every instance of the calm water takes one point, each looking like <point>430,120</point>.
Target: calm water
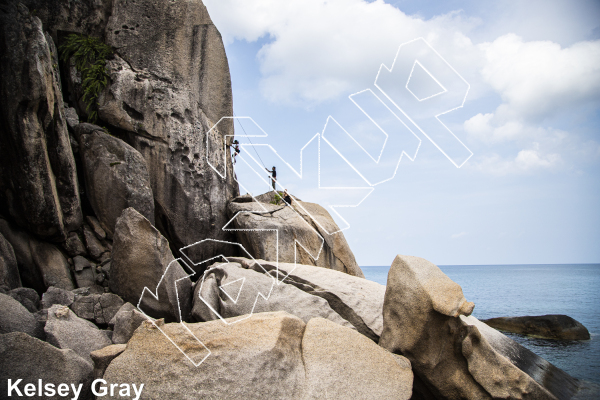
<point>517,290</point>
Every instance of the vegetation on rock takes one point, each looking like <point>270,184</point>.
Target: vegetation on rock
<point>89,55</point>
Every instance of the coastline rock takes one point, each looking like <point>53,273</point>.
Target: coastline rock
<point>9,270</point>
<point>141,259</point>
<point>363,369</point>
<point>233,291</point>
<point>30,359</point>
<point>116,178</point>
<point>125,322</point>
<point>551,326</point>
<point>357,300</point>
<point>169,85</point>
<point>423,320</point>
<point>14,317</point>
<point>99,308</point>
<point>269,356</point>
<point>38,178</point>
<point>27,297</point>
<point>294,224</point>
<point>104,356</point>
<point>66,330</point>
<point>41,264</point>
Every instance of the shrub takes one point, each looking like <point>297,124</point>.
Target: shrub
<point>89,55</point>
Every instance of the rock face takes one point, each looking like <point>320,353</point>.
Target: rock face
<point>269,356</point>
<point>24,357</point>
<point>424,315</point>
<point>38,182</point>
<point>544,326</point>
<point>14,317</point>
<point>67,331</point>
<point>41,264</point>
<point>116,176</point>
<point>232,291</point>
<point>356,300</point>
<point>142,259</point>
<point>169,85</point>
<point>9,271</point>
<point>323,247</point>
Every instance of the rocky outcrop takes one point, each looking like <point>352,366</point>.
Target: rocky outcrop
<point>38,182</point>
<point>356,300</point>
<point>9,271</point>
<point>125,322</point>
<point>66,330</point>
<point>41,264</point>
<point>269,356</point>
<point>305,234</point>
<point>544,326</point>
<point>98,308</point>
<point>116,177</point>
<point>30,359</point>
<point>169,85</point>
<point>16,318</point>
<point>142,259</point>
<point>232,291</point>
<point>424,319</point>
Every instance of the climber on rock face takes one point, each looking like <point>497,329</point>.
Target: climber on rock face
<point>287,198</point>
<point>236,149</point>
<point>273,176</point>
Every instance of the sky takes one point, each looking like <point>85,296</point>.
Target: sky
<point>342,96</point>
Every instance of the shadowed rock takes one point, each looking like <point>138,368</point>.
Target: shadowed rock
<point>9,270</point>
<point>16,318</point>
<point>38,179</point>
<point>30,359</point>
<point>125,322</point>
<point>544,326</point>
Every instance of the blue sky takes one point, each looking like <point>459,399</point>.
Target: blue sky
<point>530,192</point>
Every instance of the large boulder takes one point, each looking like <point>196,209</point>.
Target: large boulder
<point>306,234</point>
<point>38,180</point>
<point>28,297</point>
<point>424,316</point>
<point>231,290</point>
<point>141,260</point>
<point>356,300</point>
<point>9,270</point>
<point>169,85</point>
<point>14,317</point>
<point>544,326</point>
<point>25,358</point>
<point>269,356</point>
<point>116,178</point>
<point>66,330</point>
<point>41,264</point>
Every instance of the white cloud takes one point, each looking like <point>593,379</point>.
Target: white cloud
<point>526,161</point>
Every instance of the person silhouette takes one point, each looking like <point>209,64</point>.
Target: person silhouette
<point>273,176</point>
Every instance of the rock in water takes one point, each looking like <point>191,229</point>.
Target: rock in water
<point>66,330</point>
<point>38,182</point>
<point>116,178</point>
<point>544,326</point>
<point>423,319</point>
<point>9,271</point>
<point>307,223</point>
<point>24,357</point>
<point>268,356</point>
<point>169,85</point>
<point>141,259</point>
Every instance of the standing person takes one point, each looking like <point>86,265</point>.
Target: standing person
<point>273,176</point>
<point>287,198</point>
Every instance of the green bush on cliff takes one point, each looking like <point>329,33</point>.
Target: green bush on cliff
<point>89,55</point>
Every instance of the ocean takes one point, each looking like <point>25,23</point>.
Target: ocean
<point>519,290</point>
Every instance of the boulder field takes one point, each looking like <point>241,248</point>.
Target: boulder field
<point>114,263</point>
